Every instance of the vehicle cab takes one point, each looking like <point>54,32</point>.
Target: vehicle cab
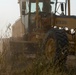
<point>31,9</point>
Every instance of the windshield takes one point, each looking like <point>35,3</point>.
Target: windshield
<point>44,6</point>
<point>33,6</point>
<point>53,5</point>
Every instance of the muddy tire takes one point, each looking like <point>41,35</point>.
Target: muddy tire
<point>55,46</point>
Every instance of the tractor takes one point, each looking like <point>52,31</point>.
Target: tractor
<point>48,28</point>
<point>49,31</point>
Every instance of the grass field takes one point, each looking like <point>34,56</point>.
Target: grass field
<point>42,67</point>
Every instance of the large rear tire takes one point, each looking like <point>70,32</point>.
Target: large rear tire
<point>56,46</point>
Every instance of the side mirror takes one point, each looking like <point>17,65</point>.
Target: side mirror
<point>23,5</point>
<point>62,7</point>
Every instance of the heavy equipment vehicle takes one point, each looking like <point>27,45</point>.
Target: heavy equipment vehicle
<point>48,27</point>
<point>49,31</point>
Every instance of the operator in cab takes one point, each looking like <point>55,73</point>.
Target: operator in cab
<point>46,6</point>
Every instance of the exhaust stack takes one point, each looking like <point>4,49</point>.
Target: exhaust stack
<point>68,7</point>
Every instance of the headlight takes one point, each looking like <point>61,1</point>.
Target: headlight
<point>55,26</point>
<point>72,31</point>
<point>66,28</point>
<point>60,28</point>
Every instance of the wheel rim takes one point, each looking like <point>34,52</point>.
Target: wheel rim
<point>50,48</point>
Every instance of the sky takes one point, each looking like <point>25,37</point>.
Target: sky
<point>9,12</point>
<point>73,7</point>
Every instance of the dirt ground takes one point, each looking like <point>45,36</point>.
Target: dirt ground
<point>71,61</point>
<point>71,64</point>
